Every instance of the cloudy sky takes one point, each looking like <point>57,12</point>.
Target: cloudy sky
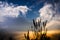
<point>17,15</point>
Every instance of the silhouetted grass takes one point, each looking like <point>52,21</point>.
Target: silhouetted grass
<point>44,37</point>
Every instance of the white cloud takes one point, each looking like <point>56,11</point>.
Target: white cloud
<point>52,14</point>
<point>8,10</point>
<point>46,12</point>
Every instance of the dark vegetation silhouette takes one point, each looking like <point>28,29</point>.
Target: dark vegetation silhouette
<point>44,37</point>
<point>27,36</point>
<point>39,27</point>
<point>4,35</point>
<point>56,36</point>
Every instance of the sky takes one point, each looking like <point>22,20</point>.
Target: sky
<point>17,15</point>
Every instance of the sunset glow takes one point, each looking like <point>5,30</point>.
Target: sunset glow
<point>30,19</point>
<point>31,34</point>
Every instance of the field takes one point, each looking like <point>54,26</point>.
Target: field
<point>19,35</point>
<point>54,35</point>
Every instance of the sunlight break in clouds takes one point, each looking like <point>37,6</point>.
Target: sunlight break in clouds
<point>8,10</point>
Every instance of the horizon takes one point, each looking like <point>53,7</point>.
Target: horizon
<point>29,19</point>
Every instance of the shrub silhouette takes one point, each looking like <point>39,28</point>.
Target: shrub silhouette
<point>56,36</point>
<point>4,35</point>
